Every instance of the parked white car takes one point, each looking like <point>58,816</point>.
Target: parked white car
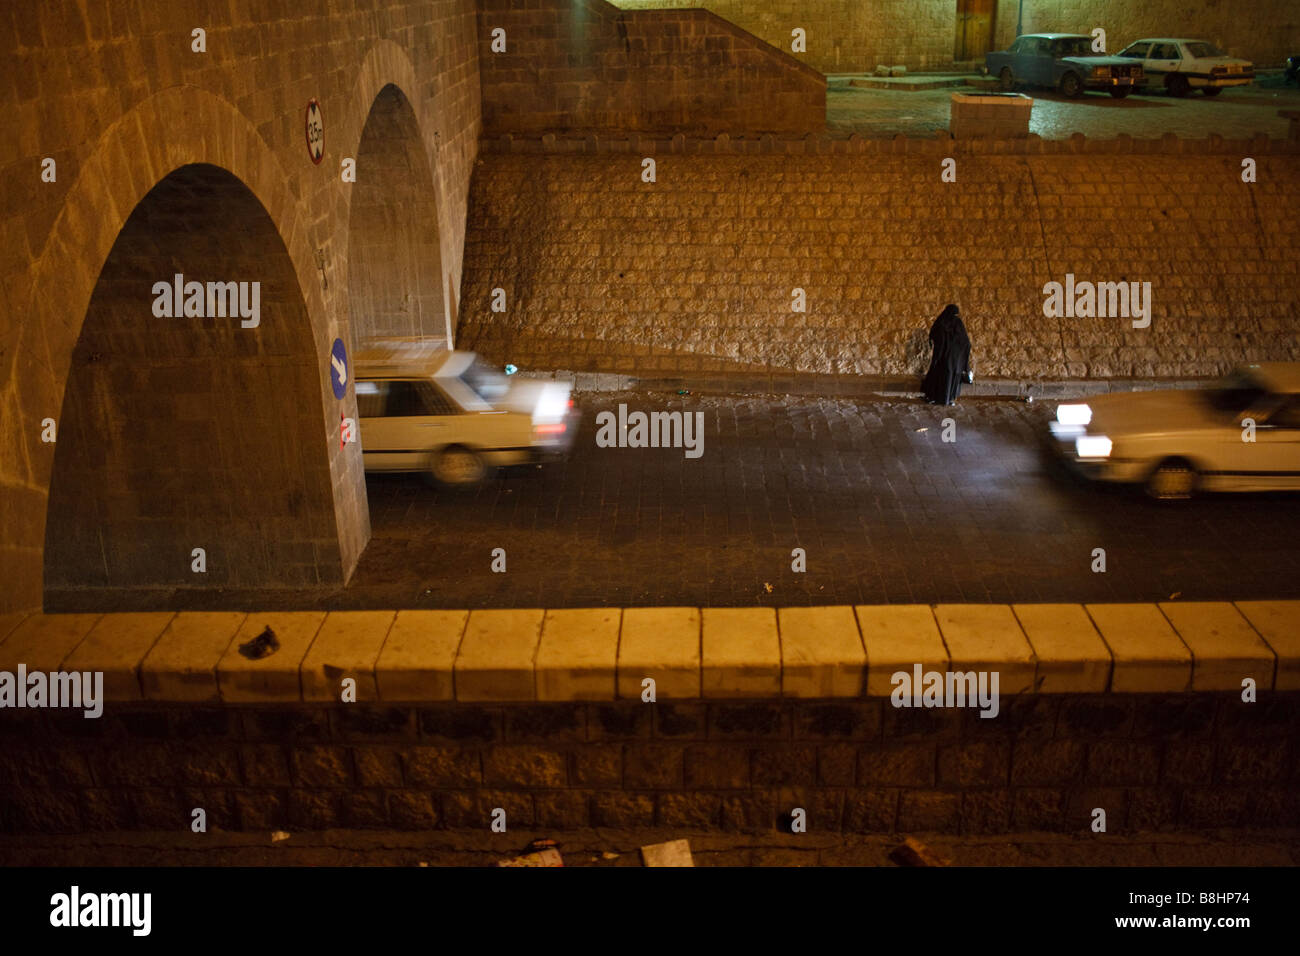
<point>1241,435</point>
<point>446,413</point>
<point>1180,65</point>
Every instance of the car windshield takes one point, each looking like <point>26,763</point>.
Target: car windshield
<point>485,382</point>
<point>1073,46</point>
<point>1204,49</point>
<point>1236,392</point>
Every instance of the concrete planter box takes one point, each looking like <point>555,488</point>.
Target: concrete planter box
<point>990,114</point>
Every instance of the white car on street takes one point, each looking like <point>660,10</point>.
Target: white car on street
<point>1180,65</point>
<point>447,414</point>
<point>1241,435</point>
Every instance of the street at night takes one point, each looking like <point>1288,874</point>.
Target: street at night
<point>886,511</point>
<point>617,434</point>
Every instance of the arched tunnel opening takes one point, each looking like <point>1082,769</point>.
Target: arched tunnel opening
<point>190,448</point>
<point>394,256</point>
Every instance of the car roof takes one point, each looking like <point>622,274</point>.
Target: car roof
<point>403,358</point>
<point>1280,377</point>
<point>1170,40</point>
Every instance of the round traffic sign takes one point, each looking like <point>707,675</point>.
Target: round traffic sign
<point>315,132</point>
<point>339,369</point>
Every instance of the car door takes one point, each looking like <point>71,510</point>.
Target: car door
<point>401,420</point>
<point>1276,456</point>
<point>1163,60</point>
<point>1040,63</point>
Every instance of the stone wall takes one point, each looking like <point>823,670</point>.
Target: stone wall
<point>1151,761</point>
<point>586,65</point>
<point>851,36</point>
<point>696,272</point>
<point>118,98</point>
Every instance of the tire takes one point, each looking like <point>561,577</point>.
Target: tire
<point>1174,479</point>
<point>1119,92</point>
<point>1071,85</point>
<point>1211,90</point>
<point>457,468</point>
<point>1177,85</point>
<point>1006,80</point>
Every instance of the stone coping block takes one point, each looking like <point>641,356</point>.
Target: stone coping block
<point>1225,648</point>
<point>598,654</point>
<point>1278,622</point>
<point>578,655</point>
<point>1072,658</point>
<point>661,643</point>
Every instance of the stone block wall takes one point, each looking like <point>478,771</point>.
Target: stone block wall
<point>697,271</point>
<point>1152,761</point>
<point>580,65</point>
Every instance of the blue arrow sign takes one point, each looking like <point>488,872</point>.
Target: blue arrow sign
<point>339,369</point>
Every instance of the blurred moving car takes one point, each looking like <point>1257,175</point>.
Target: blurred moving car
<point>1065,62</point>
<point>1241,435</point>
<point>1181,66</point>
<point>446,413</point>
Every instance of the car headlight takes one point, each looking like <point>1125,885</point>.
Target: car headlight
<point>1092,446</point>
<point>1074,414</point>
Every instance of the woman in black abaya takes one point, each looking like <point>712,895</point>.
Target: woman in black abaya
<point>950,362</point>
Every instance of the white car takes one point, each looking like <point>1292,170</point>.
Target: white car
<point>447,414</point>
<point>1181,66</point>
<point>1241,435</point>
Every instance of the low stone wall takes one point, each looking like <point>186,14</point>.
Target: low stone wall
<point>697,272</point>
<point>1134,709</point>
<point>579,65</point>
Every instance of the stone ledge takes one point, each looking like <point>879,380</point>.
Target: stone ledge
<point>604,654</point>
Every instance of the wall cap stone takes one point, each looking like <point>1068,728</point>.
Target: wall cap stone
<point>711,653</point>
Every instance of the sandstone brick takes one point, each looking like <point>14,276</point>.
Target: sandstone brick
<point>624,810</point>
<point>696,811</point>
<point>871,810</point>
<point>740,721</point>
<point>321,766</point>
<point>859,720</point>
<point>620,720</point>
<point>597,765</point>
<point>1123,762</point>
<point>462,722</point>
<point>652,766</point>
<point>412,810</point>
<point>783,766</point>
<point>441,767</point>
<point>747,813</point>
<point>928,811</point>
<point>377,767</point>
<point>985,811</point>
<point>264,765</point>
<point>531,767</point>
<point>1037,808</point>
<point>910,766</point>
<point>974,763</point>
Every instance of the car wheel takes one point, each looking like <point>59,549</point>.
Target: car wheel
<point>1178,85</point>
<point>1006,80</point>
<point>1119,92</point>
<point>1174,479</point>
<point>1211,90</point>
<point>1071,85</point>
<point>457,467</point>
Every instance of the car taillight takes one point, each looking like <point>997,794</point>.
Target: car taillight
<point>570,404</point>
<point>556,429</point>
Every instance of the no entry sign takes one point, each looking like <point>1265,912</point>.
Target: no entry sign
<point>315,132</point>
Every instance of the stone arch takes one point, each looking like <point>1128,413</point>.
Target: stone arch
<point>196,428</point>
<point>398,283</point>
<point>175,128</point>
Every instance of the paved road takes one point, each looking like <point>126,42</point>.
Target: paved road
<point>1235,113</point>
<point>884,509</point>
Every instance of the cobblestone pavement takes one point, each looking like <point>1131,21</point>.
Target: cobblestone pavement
<point>620,848</point>
<point>886,512</point>
<point>1233,114</point>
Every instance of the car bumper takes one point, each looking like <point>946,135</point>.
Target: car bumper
<point>1116,82</point>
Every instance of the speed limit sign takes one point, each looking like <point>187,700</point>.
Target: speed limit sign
<point>315,133</point>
